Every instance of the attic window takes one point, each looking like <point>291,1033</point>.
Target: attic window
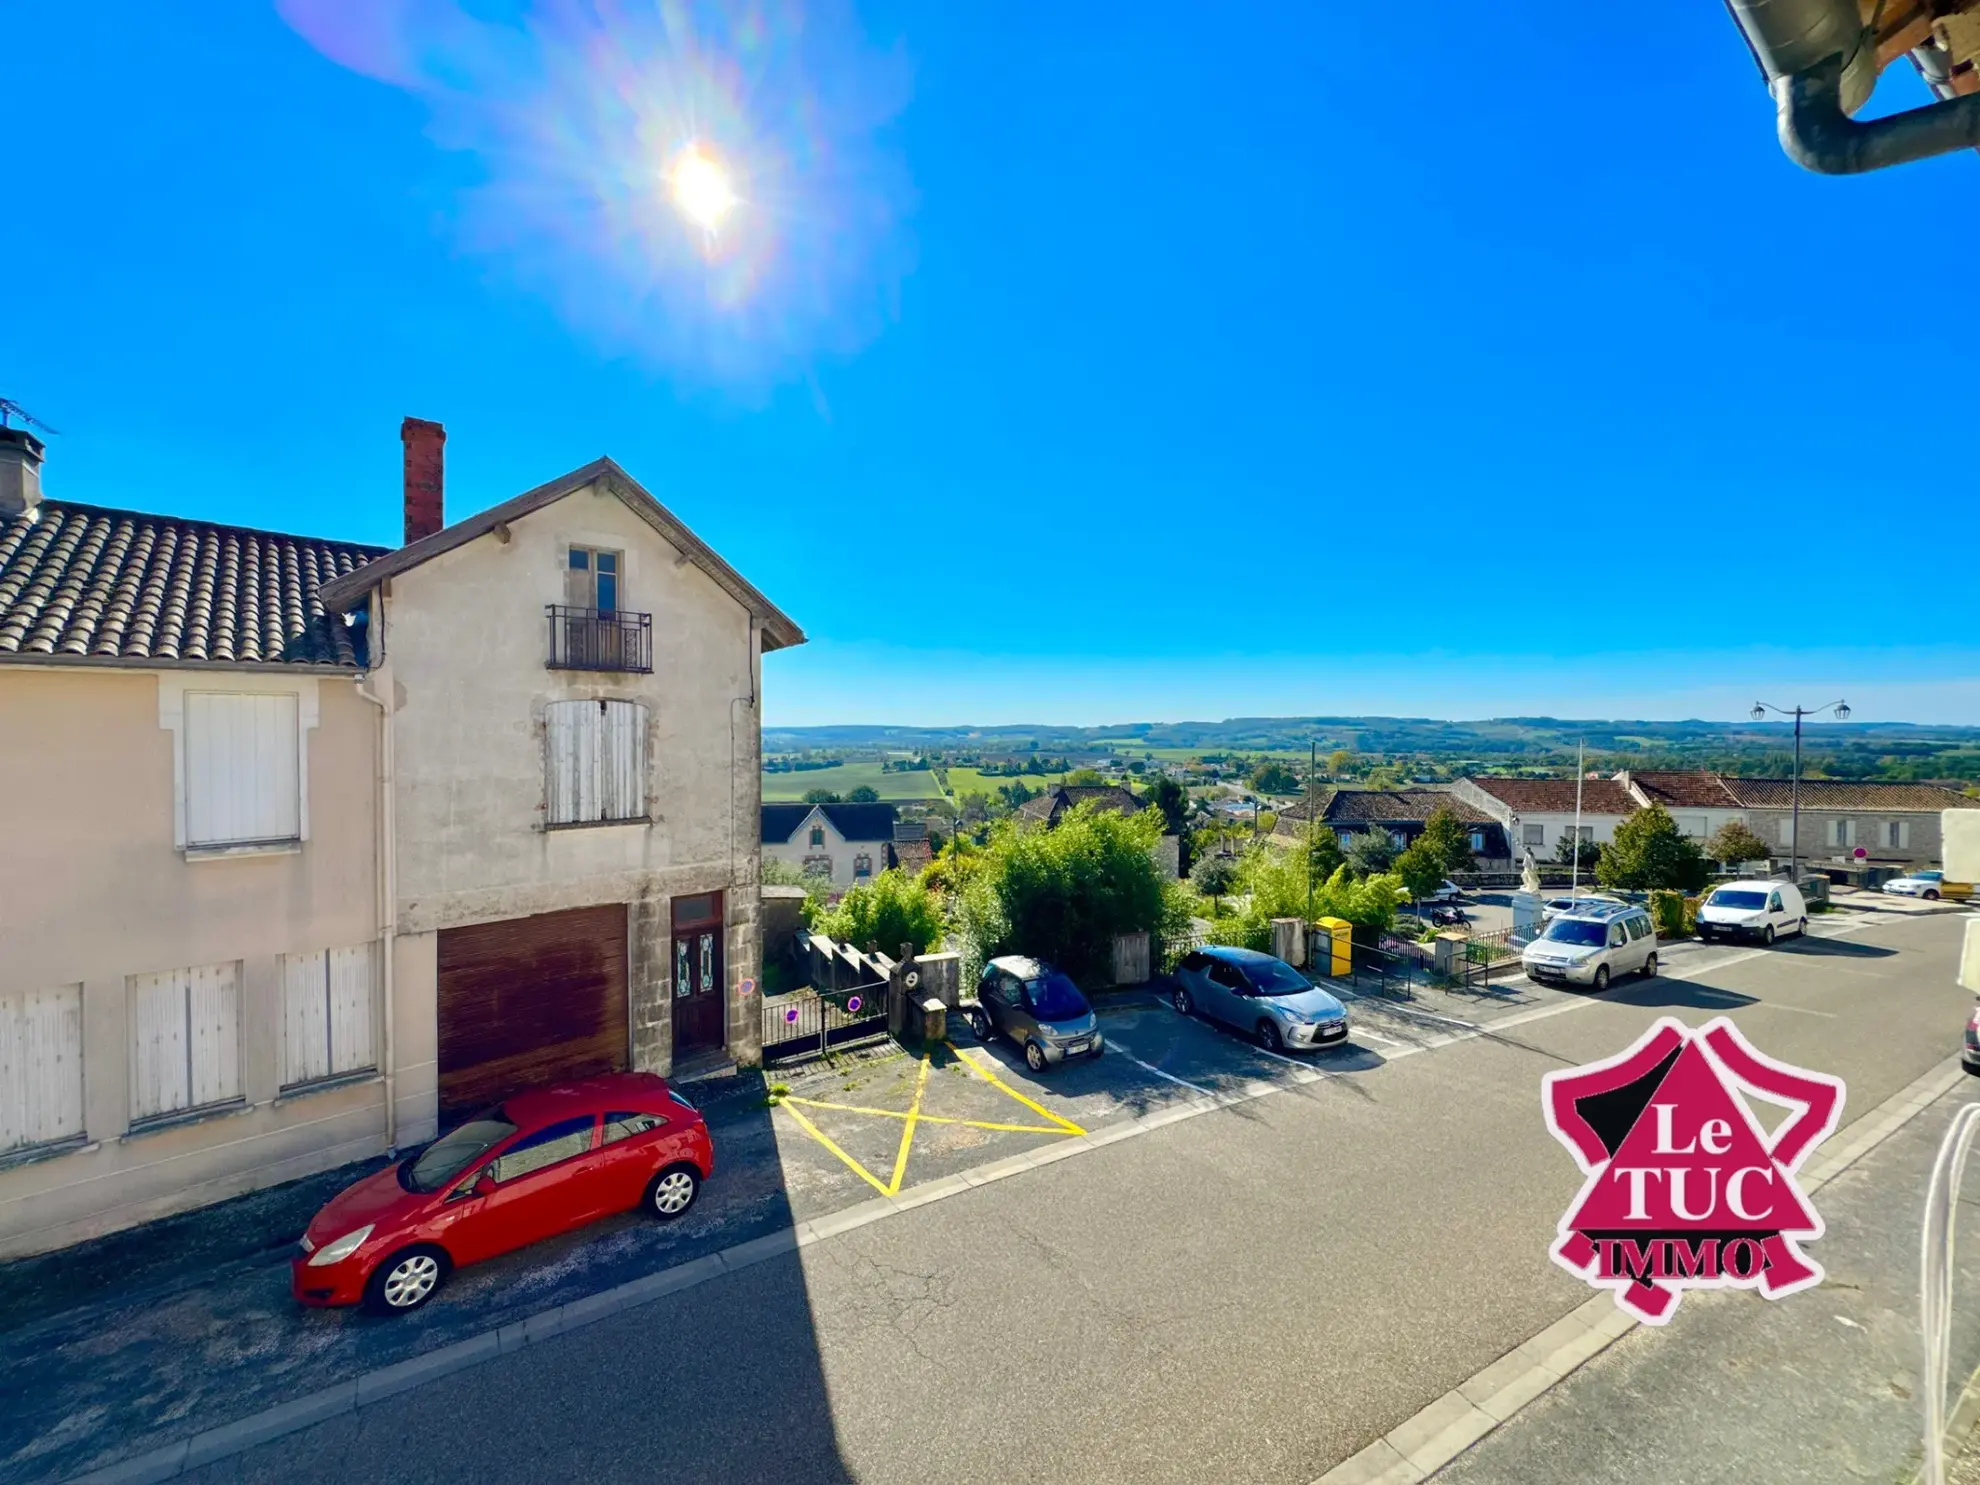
<point>592,579</point>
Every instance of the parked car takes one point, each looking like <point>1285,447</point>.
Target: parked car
<point>1762,911</point>
<point>1258,994</point>
<point>1447,891</point>
<point>1925,884</point>
<point>1039,1008</point>
<point>1553,907</point>
<point>1591,943</point>
<point>1969,1055</point>
<point>539,1164</point>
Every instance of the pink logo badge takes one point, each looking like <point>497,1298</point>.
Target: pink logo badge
<point>1685,1188</point>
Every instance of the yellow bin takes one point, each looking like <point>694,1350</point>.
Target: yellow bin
<point>1338,933</point>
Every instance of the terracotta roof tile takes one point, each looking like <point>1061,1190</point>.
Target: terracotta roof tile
<point>120,585</point>
<point>1691,788</point>
<point>1556,796</point>
<point>1849,794</point>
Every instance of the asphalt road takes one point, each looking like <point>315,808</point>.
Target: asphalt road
<point>1251,1294</point>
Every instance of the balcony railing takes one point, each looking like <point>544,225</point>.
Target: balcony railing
<point>599,639</point>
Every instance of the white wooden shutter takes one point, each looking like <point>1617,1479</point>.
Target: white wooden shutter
<point>242,776</point>
<point>1787,831</point>
<point>352,1042</point>
<point>41,1081</point>
<point>596,761</point>
<point>214,1010</point>
<point>623,765</point>
<point>305,1019</point>
<point>1903,828</point>
<point>185,1039</point>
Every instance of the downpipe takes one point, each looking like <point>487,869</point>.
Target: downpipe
<point>388,905</point>
<point>1819,135</point>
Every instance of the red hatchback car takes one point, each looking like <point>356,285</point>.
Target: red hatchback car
<point>542,1163</point>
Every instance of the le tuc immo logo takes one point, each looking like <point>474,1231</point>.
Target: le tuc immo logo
<point>1686,1188</point>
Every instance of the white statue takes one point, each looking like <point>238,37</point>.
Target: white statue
<point>1529,875</point>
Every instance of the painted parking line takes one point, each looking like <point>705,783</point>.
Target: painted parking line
<point>826,1140</point>
<point>1168,1077</point>
<point>907,1129</point>
<point>855,1108</point>
<point>998,1083</point>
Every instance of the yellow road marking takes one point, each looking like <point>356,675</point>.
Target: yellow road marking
<point>820,1135</point>
<point>907,1129</point>
<point>854,1108</point>
<point>999,1084</point>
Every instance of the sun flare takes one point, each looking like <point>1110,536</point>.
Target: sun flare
<point>701,188</point>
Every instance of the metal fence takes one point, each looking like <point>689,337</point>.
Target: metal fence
<point>808,1023</point>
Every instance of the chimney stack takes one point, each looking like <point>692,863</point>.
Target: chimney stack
<point>425,477</point>
<point>20,471</point>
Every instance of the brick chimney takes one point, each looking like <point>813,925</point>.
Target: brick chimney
<point>20,471</point>
<point>425,477</point>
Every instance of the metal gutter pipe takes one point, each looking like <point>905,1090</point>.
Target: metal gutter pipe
<point>1818,135</point>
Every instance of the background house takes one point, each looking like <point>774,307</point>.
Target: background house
<point>1539,813</point>
<point>1398,813</point>
<point>845,843</point>
<point>1698,801</point>
<point>1051,805</point>
<point>328,843</point>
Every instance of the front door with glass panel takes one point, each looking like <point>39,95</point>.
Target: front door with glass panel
<point>698,972</point>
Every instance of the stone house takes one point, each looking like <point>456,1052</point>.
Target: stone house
<point>1892,824</point>
<point>1400,814</point>
<point>1539,813</point>
<point>845,843</point>
<point>327,844</point>
<point>1698,801</point>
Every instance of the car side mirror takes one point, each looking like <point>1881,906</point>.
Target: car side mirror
<point>481,1185</point>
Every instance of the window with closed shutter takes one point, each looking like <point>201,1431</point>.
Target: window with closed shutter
<point>243,780</point>
<point>1533,835</point>
<point>327,1014</point>
<point>597,761</point>
<point>41,1074</point>
<point>185,1039</point>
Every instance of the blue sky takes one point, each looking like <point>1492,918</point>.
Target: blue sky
<point>1062,364</point>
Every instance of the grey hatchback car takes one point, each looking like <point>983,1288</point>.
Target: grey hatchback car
<point>1039,1008</point>
<point>1256,993</point>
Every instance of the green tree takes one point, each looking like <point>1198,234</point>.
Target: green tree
<point>1273,777</point>
<point>821,796</point>
<point>817,886</point>
<point>1733,843</point>
<point>1064,894</point>
<point>1278,887</point>
<point>1172,800</point>
<point>1569,848</point>
<point>1339,763</point>
<point>1085,777</point>
<point>863,795</point>
<point>1421,867</point>
<point>1650,851</point>
<point>1214,876</point>
<point>1016,793</point>
<point>891,910</point>
<point>1448,840</point>
<point>1324,853</point>
<point>1371,851</point>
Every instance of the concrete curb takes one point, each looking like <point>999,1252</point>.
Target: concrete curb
<point>1419,1446</point>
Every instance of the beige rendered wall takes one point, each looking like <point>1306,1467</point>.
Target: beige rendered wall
<point>93,890</point>
<point>465,645</point>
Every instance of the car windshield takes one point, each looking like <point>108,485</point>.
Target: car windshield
<point>1054,998</point>
<point>452,1153</point>
<point>1725,897</point>
<point>1576,931</point>
<point>1274,978</point>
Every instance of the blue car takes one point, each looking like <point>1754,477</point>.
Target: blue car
<point>1260,996</point>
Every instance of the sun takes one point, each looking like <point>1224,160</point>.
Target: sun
<point>700,187</point>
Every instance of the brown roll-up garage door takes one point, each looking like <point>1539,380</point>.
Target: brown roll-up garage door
<point>528,1001</point>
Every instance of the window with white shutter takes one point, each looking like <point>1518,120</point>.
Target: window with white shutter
<point>1842,832</point>
<point>185,1040</point>
<point>1533,835</point>
<point>1787,831</point>
<point>596,770</point>
<point>327,1017</point>
<point>243,774</point>
<point>41,1074</point>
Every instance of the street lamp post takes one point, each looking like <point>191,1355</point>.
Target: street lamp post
<point>1760,710</point>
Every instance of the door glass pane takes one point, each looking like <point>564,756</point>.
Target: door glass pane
<point>697,909</point>
<point>683,984</point>
<point>707,962</point>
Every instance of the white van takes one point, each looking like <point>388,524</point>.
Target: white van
<point>1763,911</point>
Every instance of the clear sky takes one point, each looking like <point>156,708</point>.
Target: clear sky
<point>1061,363</point>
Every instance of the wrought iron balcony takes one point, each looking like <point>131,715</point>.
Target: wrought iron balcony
<point>599,639</point>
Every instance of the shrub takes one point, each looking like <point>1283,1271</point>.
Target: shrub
<point>1733,843</point>
<point>817,887</point>
<point>1371,851</point>
<point>1675,915</point>
<point>1277,884</point>
<point>1649,851</point>
<point>890,910</point>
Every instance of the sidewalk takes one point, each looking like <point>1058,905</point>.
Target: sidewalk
<point>1820,1387</point>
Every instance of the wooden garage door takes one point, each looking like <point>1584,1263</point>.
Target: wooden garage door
<point>529,1001</point>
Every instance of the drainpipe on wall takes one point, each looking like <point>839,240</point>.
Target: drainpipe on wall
<point>749,670</point>
<point>388,893</point>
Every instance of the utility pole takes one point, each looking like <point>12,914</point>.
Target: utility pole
<point>1312,763</point>
<point>1760,710</point>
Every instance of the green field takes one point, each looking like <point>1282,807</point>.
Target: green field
<point>792,787</point>
<point>973,781</point>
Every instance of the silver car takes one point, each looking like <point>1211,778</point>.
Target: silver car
<point>1259,995</point>
<point>1039,1008</point>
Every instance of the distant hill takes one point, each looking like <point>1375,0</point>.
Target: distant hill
<point>1884,749</point>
